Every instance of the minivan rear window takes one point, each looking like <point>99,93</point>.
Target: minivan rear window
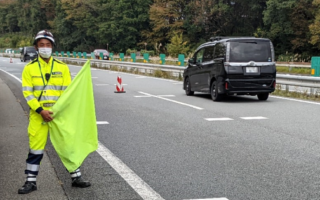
<point>253,50</point>
<point>30,50</point>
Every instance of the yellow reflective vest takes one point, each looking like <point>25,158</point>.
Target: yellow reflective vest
<point>34,82</point>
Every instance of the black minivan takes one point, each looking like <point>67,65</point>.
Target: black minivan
<point>28,53</point>
<point>232,66</point>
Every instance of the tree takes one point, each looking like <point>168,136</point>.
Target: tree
<point>121,22</point>
<point>166,18</point>
<point>301,18</point>
<point>315,26</point>
<point>278,25</point>
<point>177,46</point>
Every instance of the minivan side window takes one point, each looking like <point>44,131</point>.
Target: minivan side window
<point>220,51</point>
<point>208,54</point>
<point>199,56</point>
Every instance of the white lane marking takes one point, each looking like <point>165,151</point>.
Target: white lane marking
<point>94,77</point>
<point>169,95</point>
<point>141,77</point>
<point>102,84</point>
<point>141,187</point>
<point>185,104</point>
<point>141,96</point>
<point>12,75</point>
<point>290,99</point>
<point>218,119</point>
<point>102,122</point>
<point>223,198</point>
<point>253,118</point>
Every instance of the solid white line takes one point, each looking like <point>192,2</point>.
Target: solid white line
<point>290,99</point>
<point>11,75</point>
<point>141,187</point>
<point>218,119</point>
<point>121,84</point>
<point>141,77</point>
<point>252,118</point>
<point>185,104</point>
<point>169,95</point>
<point>102,122</point>
<point>94,77</point>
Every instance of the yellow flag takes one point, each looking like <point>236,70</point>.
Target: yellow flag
<point>73,131</point>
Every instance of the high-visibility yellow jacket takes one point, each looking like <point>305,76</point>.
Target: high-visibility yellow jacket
<point>34,82</point>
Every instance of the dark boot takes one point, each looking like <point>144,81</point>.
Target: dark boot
<point>79,182</point>
<point>27,187</point>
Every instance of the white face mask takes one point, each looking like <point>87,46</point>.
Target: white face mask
<point>45,52</point>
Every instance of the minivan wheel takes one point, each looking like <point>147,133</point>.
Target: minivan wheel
<point>214,92</point>
<point>263,96</point>
<point>188,87</point>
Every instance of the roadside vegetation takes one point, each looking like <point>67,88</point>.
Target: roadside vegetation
<point>302,94</point>
<point>167,27</point>
<point>294,70</point>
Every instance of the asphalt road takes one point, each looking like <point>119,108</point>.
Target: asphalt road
<point>167,145</point>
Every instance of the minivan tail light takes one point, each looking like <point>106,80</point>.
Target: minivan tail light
<point>226,85</point>
<point>274,84</point>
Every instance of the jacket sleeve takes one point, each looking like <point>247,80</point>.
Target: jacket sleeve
<point>27,90</point>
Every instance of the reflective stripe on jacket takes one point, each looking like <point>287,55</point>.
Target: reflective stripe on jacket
<point>33,83</point>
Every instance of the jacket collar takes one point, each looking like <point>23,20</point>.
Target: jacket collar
<point>44,63</point>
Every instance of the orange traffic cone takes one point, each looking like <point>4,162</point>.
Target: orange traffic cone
<point>119,87</point>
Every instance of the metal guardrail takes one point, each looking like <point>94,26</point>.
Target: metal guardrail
<point>312,83</point>
<point>282,79</point>
<point>293,65</point>
<point>285,80</point>
<point>143,67</point>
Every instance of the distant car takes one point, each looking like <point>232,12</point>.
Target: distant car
<point>9,51</point>
<point>103,51</point>
<point>28,53</point>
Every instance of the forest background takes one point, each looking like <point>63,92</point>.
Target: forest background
<point>162,26</point>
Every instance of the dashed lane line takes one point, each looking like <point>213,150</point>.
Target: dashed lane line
<point>178,102</point>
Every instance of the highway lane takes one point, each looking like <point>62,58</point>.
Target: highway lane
<point>191,147</point>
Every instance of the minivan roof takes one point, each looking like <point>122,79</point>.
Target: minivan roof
<point>220,39</point>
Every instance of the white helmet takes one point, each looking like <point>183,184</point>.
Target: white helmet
<point>44,34</point>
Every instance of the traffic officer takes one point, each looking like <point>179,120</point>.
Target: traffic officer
<point>43,81</point>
